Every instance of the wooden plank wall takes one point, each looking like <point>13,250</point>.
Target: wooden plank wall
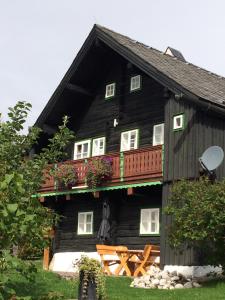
<point>140,109</point>
<point>181,153</point>
<point>125,219</point>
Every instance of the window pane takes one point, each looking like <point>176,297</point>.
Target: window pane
<point>135,82</point>
<point>145,215</point>
<point>145,227</point>
<point>81,218</point>
<point>153,227</point>
<point>178,122</point>
<point>124,143</point>
<point>153,216</point>
<point>81,228</point>
<point>158,134</point>
<point>88,228</point>
<point>149,221</point>
<point>89,218</point>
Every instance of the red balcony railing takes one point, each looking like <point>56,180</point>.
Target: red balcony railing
<point>128,167</point>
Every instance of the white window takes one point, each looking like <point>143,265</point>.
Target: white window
<point>85,223</point>
<point>82,149</point>
<point>135,83</point>
<point>158,134</point>
<point>110,90</point>
<point>129,140</point>
<point>149,223</point>
<point>98,146</point>
<point>178,122</point>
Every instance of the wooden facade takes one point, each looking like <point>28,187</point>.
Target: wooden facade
<point>169,87</point>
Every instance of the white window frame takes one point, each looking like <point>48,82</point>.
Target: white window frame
<point>129,132</point>
<point>96,150</point>
<point>155,139</point>
<point>181,126</point>
<point>150,221</point>
<point>82,155</point>
<point>110,90</point>
<point>85,223</point>
<point>135,83</point>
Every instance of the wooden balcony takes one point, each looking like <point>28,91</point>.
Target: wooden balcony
<point>136,166</point>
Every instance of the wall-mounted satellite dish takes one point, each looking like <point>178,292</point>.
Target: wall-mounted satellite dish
<point>212,158</point>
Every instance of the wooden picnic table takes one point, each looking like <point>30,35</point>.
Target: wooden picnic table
<point>124,257</point>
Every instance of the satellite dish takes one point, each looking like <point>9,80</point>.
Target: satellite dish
<point>212,158</point>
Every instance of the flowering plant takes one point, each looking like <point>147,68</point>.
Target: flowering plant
<point>98,171</point>
<point>65,175</point>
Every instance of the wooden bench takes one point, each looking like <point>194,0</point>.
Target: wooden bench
<point>109,256</point>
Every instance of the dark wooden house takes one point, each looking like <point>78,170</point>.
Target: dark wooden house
<point>153,114</point>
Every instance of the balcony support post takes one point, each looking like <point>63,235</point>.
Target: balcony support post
<point>121,166</point>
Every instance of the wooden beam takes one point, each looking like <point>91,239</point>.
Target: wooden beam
<point>130,191</point>
<point>68,197</point>
<point>78,89</point>
<point>96,194</point>
<point>46,258</point>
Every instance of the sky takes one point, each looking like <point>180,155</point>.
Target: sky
<point>40,38</point>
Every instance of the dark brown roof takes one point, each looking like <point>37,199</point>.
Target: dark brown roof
<point>196,80</point>
<point>199,85</point>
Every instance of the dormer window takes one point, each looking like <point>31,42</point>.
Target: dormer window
<point>135,83</point>
<point>110,90</point>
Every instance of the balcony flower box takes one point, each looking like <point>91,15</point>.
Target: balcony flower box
<point>65,176</point>
<point>98,171</point>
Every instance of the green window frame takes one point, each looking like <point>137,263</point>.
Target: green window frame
<point>85,223</point>
<point>178,122</point>
<point>149,221</point>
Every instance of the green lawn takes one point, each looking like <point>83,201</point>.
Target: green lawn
<point>117,288</point>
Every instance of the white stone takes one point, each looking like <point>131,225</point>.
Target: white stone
<point>160,287</point>
<point>165,275</point>
<point>146,277</point>
<point>179,286</point>
<point>162,282</point>
<point>188,285</point>
<point>196,284</point>
<point>174,273</point>
<point>158,276</point>
<point>175,278</point>
<point>155,281</point>
<point>172,287</point>
<point>165,287</point>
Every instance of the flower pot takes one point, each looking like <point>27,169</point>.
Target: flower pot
<point>90,288</point>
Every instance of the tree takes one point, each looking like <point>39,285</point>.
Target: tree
<point>198,218</point>
<point>22,218</point>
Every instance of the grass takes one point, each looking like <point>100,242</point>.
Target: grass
<point>117,288</point>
